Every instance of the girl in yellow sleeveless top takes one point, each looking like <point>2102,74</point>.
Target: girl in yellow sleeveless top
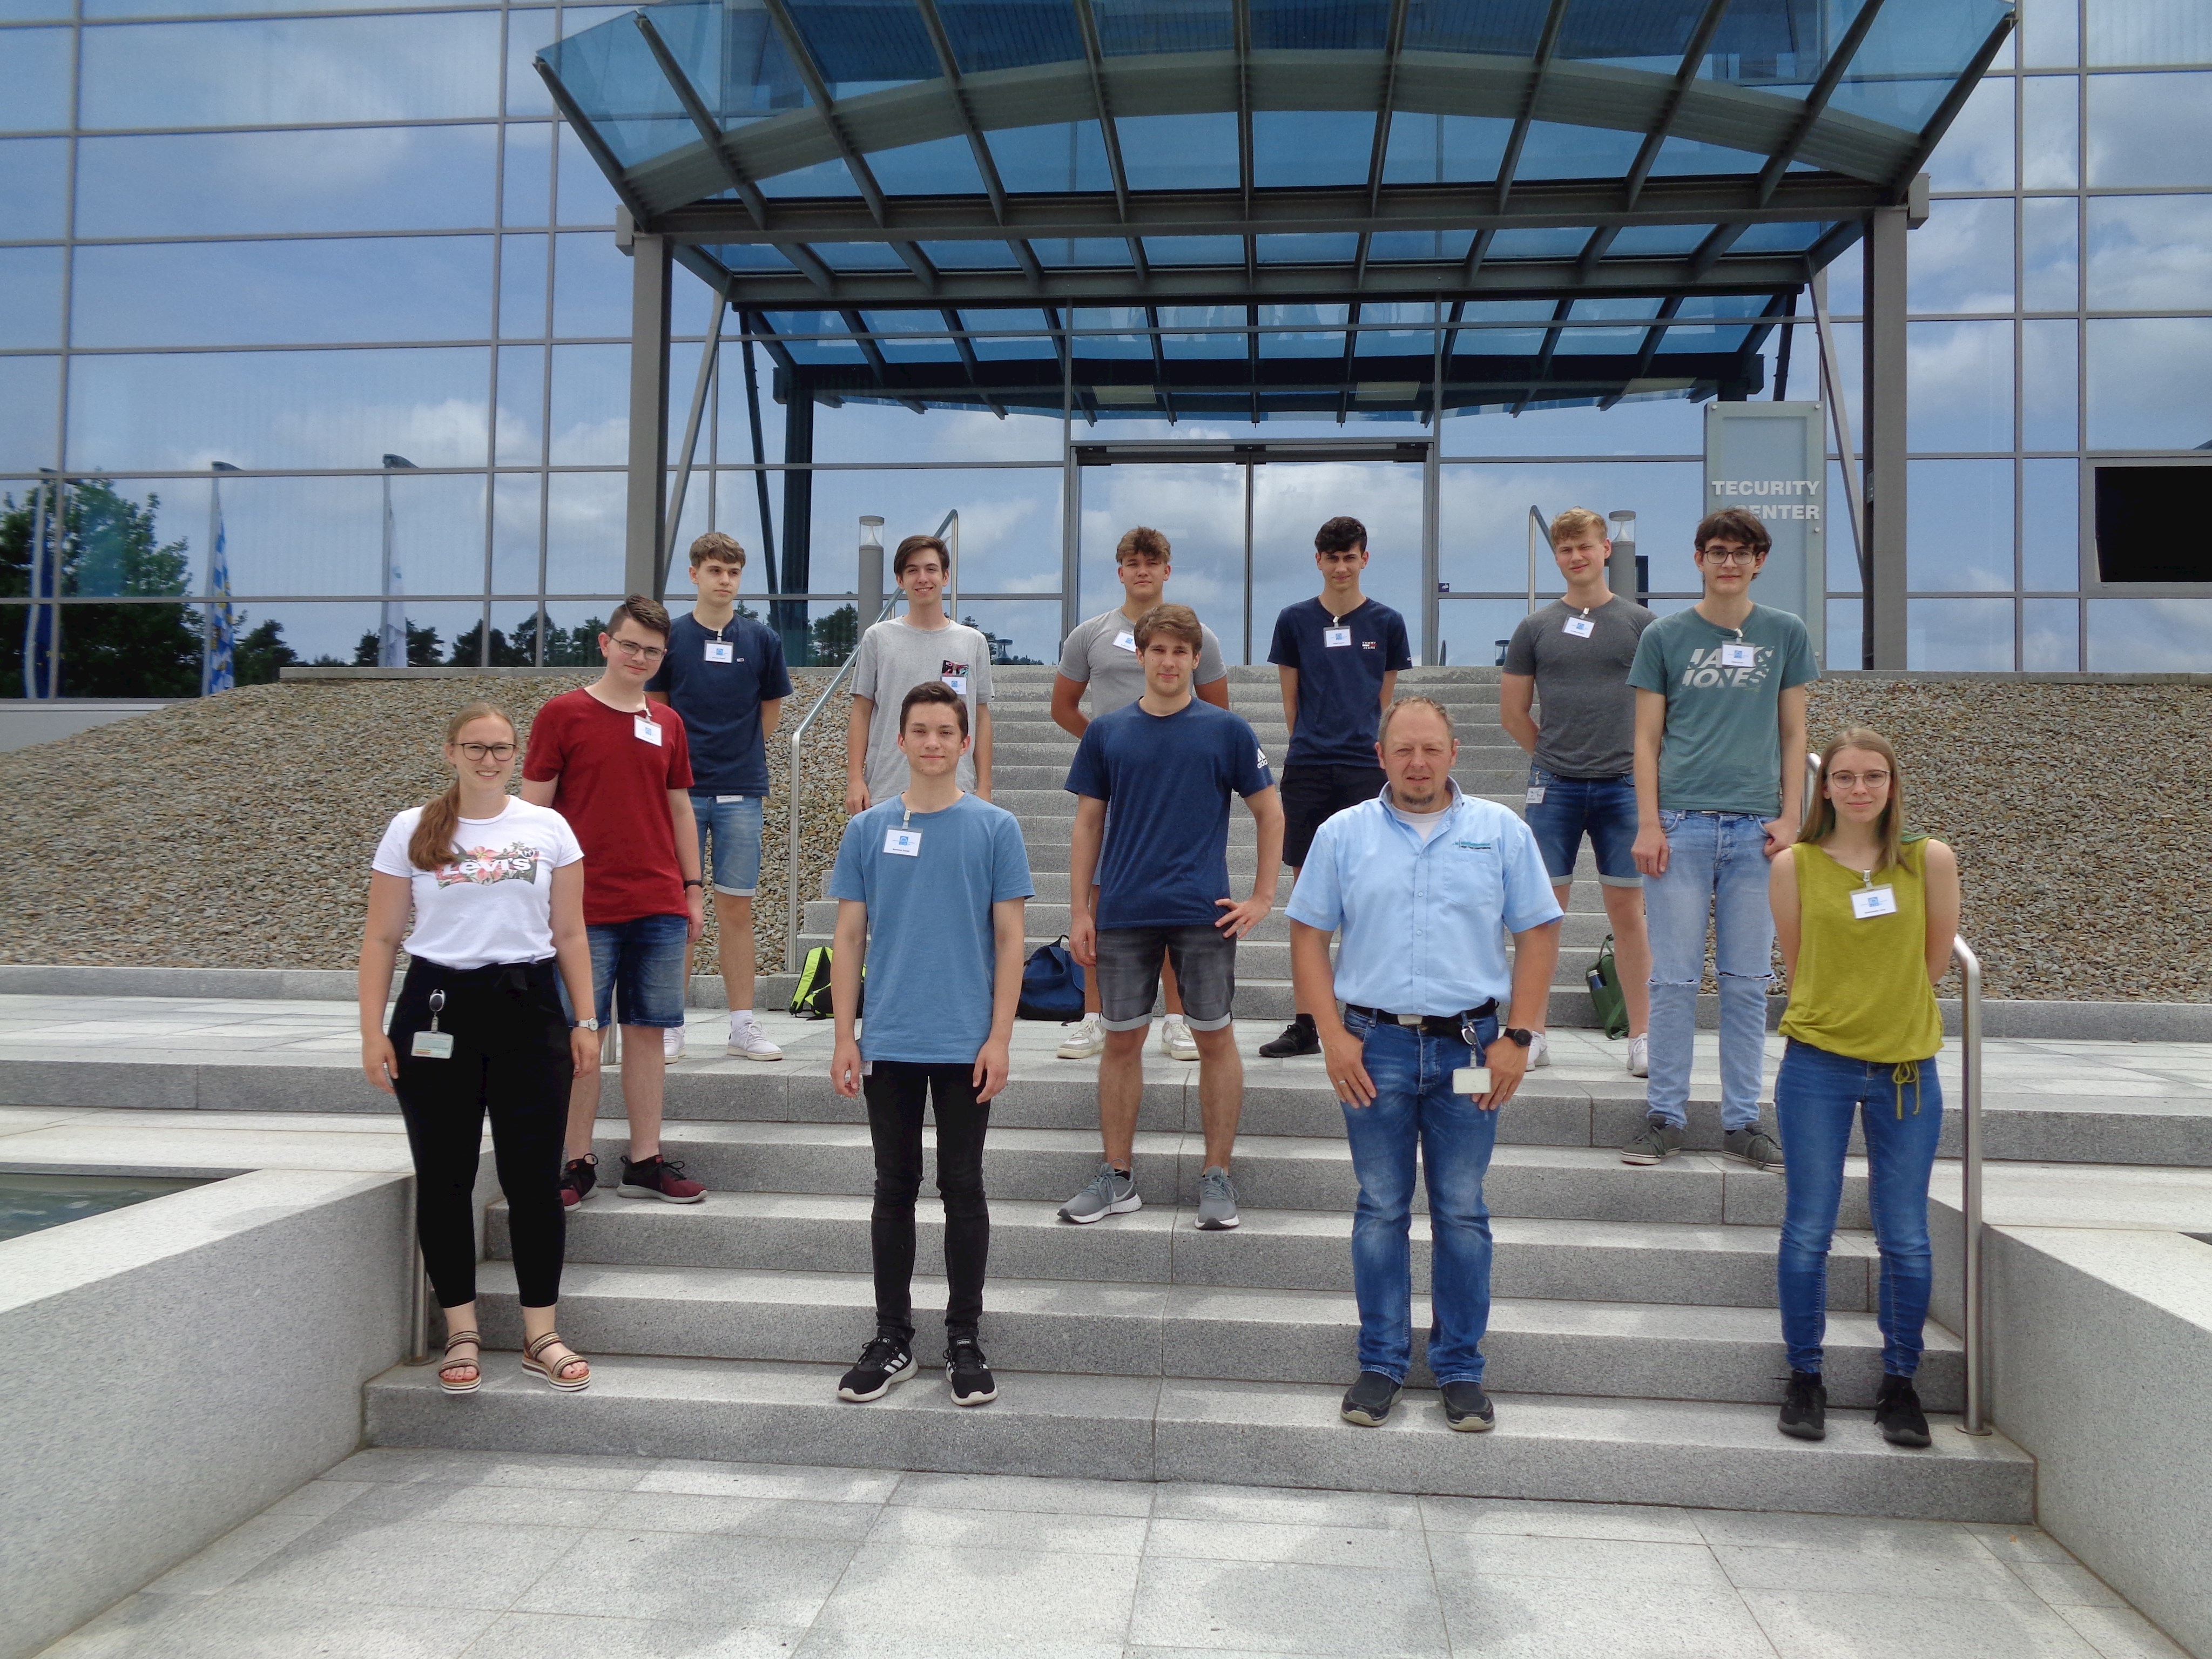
<point>1865,916</point>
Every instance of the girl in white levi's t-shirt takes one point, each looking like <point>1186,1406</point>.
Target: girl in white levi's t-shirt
<point>496,890</point>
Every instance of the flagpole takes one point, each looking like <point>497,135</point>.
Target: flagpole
<point>207,612</point>
<point>391,634</point>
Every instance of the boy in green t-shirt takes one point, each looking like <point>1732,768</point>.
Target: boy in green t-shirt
<point>1720,774</point>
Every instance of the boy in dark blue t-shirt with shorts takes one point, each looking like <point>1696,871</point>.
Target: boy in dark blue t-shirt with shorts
<point>1152,884</point>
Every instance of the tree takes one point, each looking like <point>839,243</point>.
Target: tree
<point>836,636</point>
<point>257,656</point>
<point>107,548</point>
<point>422,648</point>
<point>468,647</point>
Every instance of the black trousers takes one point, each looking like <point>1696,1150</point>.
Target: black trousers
<point>896,1090</point>
<point>510,1059</point>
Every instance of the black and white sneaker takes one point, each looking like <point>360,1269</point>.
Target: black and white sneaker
<point>886,1359</point>
<point>1467,1408</point>
<point>969,1373</point>
<point>1805,1408</point>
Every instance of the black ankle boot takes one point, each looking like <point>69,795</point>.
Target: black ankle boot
<point>1805,1406</point>
<point>1897,1413</point>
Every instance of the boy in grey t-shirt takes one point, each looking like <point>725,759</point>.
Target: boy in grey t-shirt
<point>901,653</point>
<point>1573,658</point>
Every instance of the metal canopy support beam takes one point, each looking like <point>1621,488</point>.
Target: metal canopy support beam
<point>798,509</point>
<point>1884,386</point>
<point>644,523</point>
<point>1693,58</point>
<point>709,355</point>
<point>1816,100</point>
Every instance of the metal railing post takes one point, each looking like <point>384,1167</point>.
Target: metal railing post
<point>1975,1420</point>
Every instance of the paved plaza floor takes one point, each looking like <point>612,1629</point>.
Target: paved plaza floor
<point>403,1554</point>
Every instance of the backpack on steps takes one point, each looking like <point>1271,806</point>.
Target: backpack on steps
<point>811,998</point>
<point>1605,994</point>
<point>1052,984</point>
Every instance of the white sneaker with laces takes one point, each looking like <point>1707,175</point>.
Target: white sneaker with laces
<point>1082,1039</point>
<point>671,1045</point>
<point>1540,1050</point>
<point>1176,1041</point>
<point>748,1042</point>
<point>1639,1056</point>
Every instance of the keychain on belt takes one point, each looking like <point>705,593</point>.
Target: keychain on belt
<point>433,1044</point>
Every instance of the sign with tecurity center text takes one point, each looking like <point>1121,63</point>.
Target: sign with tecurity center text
<point>1770,460</point>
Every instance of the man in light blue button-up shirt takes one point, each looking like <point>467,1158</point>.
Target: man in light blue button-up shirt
<point>1424,883</point>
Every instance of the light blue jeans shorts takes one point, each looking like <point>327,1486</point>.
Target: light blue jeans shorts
<point>735,821</point>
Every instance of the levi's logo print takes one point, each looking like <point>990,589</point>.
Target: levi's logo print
<point>482,866</point>
<point>1706,669</point>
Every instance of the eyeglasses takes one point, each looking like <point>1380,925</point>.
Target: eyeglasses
<point>1728,554</point>
<point>477,751</point>
<point>641,653</point>
<point>1852,780</point>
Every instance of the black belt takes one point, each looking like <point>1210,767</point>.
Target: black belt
<point>1443,1025</point>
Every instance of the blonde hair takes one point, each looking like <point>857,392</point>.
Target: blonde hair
<point>1820,812</point>
<point>1574,522</point>
<point>432,843</point>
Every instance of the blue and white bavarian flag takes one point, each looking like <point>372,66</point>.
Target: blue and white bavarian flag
<point>217,673</point>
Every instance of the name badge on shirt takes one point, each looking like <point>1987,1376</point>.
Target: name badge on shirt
<point>1735,655</point>
<point>1333,637</point>
<point>1580,627</point>
<point>721,651</point>
<point>1125,640</point>
<point>954,674</point>
<point>432,1045</point>
<point>1871,902</point>
<point>648,730</point>
<point>906,843</point>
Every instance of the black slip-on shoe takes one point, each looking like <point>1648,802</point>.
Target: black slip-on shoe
<point>1370,1399</point>
<point>1298,1037</point>
<point>1467,1408</point>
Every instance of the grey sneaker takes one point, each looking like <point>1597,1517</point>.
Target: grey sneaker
<point>1655,1142</point>
<point>1110,1193</point>
<point>1216,1202</point>
<point>1754,1147</point>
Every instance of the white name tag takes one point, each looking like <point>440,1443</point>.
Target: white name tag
<point>1580,627</point>
<point>1870,901</point>
<point>1334,637</point>
<point>648,730</point>
<point>721,651</point>
<point>1535,795</point>
<point>954,674</point>
<point>1125,640</point>
<point>1739,656</point>
<point>725,799</point>
<point>907,843</point>
<point>1470,1080</point>
<point>432,1045</point>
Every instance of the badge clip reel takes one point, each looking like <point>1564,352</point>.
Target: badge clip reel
<point>433,1044</point>
<point>1470,1079</point>
<point>1869,900</point>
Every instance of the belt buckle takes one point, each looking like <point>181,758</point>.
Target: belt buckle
<point>1413,1020</point>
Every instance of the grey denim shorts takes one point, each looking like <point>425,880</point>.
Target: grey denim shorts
<point>1129,959</point>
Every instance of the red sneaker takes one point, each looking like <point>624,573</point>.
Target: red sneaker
<point>577,1179</point>
<point>657,1177</point>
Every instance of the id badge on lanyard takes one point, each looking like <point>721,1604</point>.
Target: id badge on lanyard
<point>1580,627</point>
<point>721,651</point>
<point>902,842</point>
<point>433,1044</point>
<point>1870,900</point>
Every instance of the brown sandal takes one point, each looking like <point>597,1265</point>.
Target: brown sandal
<point>475,1366</point>
<point>556,1371</point>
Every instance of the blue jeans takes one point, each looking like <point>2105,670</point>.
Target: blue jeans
<point>1604,809</point>
<point>649,961</point>
<point>1815,1098</point>
<point>1716,870</point>
<point>1414,1106</point>
<point>736,822</point>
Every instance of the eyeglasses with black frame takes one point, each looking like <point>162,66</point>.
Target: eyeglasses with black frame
<point>480,752</point>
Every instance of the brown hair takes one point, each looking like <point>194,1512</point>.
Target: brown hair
<point>1382,733</point>
<point>914,545</point>
<point>1820,811</point>
<point>1143,539</point>
<point>1733,524</point>
<point>723,550</point>
<point>432,843</point>
<point>1178,622</point>
<point>934,692</point>
<point>645,613</point>
<point>1340,535</point>
<point>1574,521</point>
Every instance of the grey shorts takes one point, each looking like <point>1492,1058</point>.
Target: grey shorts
<point>1129,975</point>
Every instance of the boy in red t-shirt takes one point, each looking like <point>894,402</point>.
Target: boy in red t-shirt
<point>615,764</point>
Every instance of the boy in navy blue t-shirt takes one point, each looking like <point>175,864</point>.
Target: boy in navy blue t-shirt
<point>1151,884</point>
<point>724,674</point>
<point>1338,656</point>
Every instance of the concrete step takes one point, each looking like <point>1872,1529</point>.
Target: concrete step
<point>1040,805</point>
<point>1610,1349</point>
<point>1576,1261</point>
<point>1594,1450</point>
<point>1049,849</point>
<point>1045,920</point>
<point>1584,897</point>
<point>1274,1172</point>
<point>1475,773</point>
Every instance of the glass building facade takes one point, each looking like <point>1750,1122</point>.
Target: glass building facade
<point>328,302</point>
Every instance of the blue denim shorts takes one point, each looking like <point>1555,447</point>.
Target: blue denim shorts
<point>736,822</point>
<point>1604,809</point>
<point>648,962</point>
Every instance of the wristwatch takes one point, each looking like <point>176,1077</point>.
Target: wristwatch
<point>694,881</point>
<point>585,1025</point>
<point>1516,1034</point>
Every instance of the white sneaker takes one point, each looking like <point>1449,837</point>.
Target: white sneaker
<point>1639,1056</point>
<point>748,1042</point>
<point>671,1045</point>
<point>1176,1041</point>
<point>1082,1039</point>
<point>1540,1050</point>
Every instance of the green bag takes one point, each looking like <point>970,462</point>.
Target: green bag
<point>810,999</point>
<point>1605,991</point>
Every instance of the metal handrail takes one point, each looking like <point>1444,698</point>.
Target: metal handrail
<point>1540,530</point>
<point>791,798</point>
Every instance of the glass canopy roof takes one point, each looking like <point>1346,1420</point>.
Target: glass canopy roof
<point>1369,205</point>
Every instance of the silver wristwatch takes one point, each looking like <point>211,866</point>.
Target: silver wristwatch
<point>587,1025</point>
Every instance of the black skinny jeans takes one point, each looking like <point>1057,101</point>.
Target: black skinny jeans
<point>896,1090</point>
<point>510,1058</point>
